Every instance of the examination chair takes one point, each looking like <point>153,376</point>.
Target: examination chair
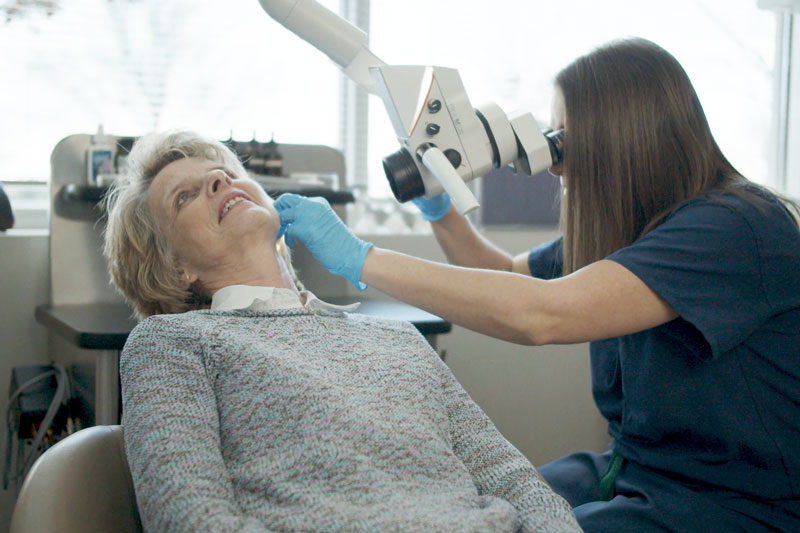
<point>82,483</point>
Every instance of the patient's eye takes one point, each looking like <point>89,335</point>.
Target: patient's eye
<point>182,198</point>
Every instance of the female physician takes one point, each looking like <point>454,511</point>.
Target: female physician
<point>683,275</point>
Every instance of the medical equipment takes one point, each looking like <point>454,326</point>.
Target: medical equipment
<point>445,141</point>
<point>37,412</point>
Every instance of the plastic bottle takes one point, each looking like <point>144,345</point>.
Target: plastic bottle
<point>99,158</point>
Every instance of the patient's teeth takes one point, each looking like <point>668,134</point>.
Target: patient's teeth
<point>230,204</point>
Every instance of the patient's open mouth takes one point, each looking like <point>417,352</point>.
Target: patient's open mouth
<point>229,202</point>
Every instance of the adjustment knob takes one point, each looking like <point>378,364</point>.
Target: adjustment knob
<point>453,156</point>
<point>432,129</point>
<point>434,106</point>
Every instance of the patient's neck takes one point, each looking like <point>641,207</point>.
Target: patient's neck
<point>261,266</point>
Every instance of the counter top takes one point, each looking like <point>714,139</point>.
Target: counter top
<point>105,326</point>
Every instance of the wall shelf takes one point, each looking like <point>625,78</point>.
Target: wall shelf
<point>84,202</point>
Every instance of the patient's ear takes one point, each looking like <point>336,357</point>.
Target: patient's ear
<point>187,279</point>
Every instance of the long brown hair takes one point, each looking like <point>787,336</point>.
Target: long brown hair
<point>637,144</point>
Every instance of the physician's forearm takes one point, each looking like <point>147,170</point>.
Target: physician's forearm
<point>600,301</point>
<point>499,304</point>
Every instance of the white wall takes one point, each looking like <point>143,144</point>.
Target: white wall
<point>538,397</point>
<point>23,286</point>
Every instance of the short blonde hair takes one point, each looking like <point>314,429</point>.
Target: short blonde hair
<point>141,261</point>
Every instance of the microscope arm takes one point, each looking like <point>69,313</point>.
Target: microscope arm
<point>344,43</point>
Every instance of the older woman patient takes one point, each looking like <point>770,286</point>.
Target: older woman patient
<point>249,404</point>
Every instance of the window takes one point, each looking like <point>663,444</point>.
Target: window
<point>135,66</point>
<point>509,51</point>
<point>228,69</point>
<point>789,143</point>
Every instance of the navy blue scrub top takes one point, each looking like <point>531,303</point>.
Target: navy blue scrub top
<point>711,398</point>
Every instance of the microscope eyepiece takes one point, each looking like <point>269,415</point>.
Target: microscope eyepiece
<point>555,139</point>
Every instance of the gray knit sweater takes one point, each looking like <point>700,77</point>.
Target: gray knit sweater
<point>295,421</point>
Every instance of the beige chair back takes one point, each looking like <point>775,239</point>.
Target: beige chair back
<point>82,483</point>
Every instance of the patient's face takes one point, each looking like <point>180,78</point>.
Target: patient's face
<point>210,215</point>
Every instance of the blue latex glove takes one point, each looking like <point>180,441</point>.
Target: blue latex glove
<point>433,208</point>
<point>312,221</point>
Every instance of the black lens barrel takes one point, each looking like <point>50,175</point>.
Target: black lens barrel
<point>403,175</point>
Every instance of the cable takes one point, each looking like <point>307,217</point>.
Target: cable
<point>60,395</point>
<point>10,429</point>
<point>61,379</point>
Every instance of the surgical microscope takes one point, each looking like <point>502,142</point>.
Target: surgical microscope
<point>445,142</point>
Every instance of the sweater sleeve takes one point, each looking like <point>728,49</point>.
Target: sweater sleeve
<point>172,433</point>
<point>497,467</point>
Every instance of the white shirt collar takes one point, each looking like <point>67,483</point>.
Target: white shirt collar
<point>257,298</point>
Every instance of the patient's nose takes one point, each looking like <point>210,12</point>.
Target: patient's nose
<point>217,181</point>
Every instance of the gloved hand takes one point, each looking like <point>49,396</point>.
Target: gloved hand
<point>312,221</point>
<point>433,208</point>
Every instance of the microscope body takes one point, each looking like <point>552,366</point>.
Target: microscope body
<point>431,114</point>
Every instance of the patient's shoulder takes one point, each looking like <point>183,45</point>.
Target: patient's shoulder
<point>168,322</point>
<point>176,330</point>
<point>387,324</point>
<point>387,335</point>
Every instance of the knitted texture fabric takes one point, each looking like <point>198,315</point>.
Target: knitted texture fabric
<point>288,420</point>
